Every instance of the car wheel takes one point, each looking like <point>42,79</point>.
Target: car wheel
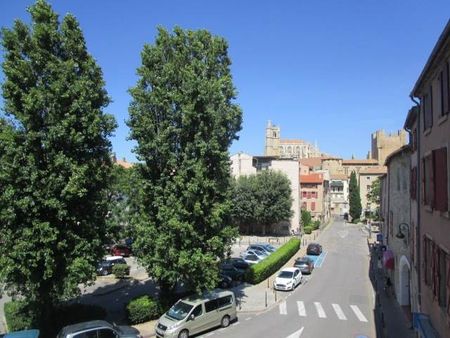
<point>183,334</point>
<point>225,321</point>
<point>105,272</point>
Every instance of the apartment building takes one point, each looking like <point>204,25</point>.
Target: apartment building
<point>312,188</point>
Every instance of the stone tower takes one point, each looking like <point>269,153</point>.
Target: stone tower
<point>384,144</point>
<point>272,140</point>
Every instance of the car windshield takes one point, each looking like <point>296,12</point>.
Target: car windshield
<point>251,258</point>
<point>285,274</point>
<point>302,262</point>
<point>179,310</point>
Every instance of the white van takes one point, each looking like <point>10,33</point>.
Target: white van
<point>195,314</point>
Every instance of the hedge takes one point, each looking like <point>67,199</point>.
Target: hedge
<point>316,225</point>
<point>307,230</point>
<point>268,266</point>
<point>18,316</point>
<point>143,309</point>
<point>120,270</point>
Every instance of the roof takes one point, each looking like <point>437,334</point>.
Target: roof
<point>411,117</point>
<point>378,170</point>
<point>311,178</point>
<point>401,150</point>
<point>311,162</point>
<point>362,161</point>
<point>289,269</point>
<point>84,326</point>
<point>342,177</point>
<point>443,39</point>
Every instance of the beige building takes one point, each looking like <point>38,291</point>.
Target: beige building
<point>384,144</point>
<point>292,149</point>
<point>339,204</point>
<point>431,135</point>
<point>366,178</point>
<point>314,192</point>
<point>244,164</point>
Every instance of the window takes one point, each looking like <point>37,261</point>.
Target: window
<point>197,311</point>
<point>308,194</point>
<point>428,180</point>
<point>106,333</point>
<point>428,110</point>
<point>442,279</point>
<point>427,260</point>
<point>304,194</point>
<point>313,205</point>
<point>224,301</point>
<point>86,334</point>
<point>413,185</point>
<point>368,177</point>
<point>211,305</point>
<point>440,179</point>
<point>444,90</point>
<point>314,194</point>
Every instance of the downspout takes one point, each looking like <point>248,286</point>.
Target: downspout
<point>419,198</point>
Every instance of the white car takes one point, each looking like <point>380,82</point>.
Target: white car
<point>288,279</point>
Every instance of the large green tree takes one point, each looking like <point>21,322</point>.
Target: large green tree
<point>183,117</point>
<point>263,199</point>
<point>54,160</point>
<point>354,197</point>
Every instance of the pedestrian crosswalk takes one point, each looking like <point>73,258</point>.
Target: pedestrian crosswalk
<point>325,311</point>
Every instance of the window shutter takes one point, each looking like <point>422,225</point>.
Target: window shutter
<point>446,90</point>
<point>440,179</point>
<point>425,266</point>
<point>424,188</point>
<point>413,183</point>
<point>448,285</point>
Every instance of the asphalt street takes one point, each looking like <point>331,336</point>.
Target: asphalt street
<point>337,300</point>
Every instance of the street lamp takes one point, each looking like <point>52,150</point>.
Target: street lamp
<point>402,227</point>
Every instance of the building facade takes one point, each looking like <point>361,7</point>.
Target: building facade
<point>312,188</point>
<point>384,144</point>
<point>339,194</point>
<point>367,177</point>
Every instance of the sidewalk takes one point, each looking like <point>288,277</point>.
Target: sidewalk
<point>251,298</point>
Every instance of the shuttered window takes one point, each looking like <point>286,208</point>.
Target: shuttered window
<point>428,110</point>
<point>440,179</point>
<point>413,183</point>
<point>428,180</point>
<point>313,205</point>
<point>442,278</point>
<point>426,260</point>
<point>445,90</point>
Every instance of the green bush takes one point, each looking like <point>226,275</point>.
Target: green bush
<point>271,264</point>
<point>355,221</point>
<point>121,270</point>
<point>18,316</point>
<point>307,230</point>
<point>316,225</point>
<point>143,309</point>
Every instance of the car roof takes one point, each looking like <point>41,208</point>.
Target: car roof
<point>22,334</point>
<point>289,269</point>
<point>304,258</point>
<point>112,258</point>
<point>311,244</point>
<point>194,299</point>
<point>84,326</point>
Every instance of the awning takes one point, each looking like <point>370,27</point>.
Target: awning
<point>388,260</point>
<point>422,324</point>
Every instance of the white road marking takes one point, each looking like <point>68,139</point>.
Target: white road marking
<point>248,318</point>
<point>339,312</point>
<point>283,308</point>
<point>301,309</point>
<point>358,313</point>
<point>296,334</point>
<point>320,311</point>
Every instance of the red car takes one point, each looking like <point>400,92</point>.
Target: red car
<point>120,250</point>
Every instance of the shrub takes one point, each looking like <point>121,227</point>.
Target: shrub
<point>307,230</point>
<point>143,309</point>
<point>18,316</point>
<point>120,270</point>
<point>271,264</point>
<point>316,225</point>
<point>355,221</point>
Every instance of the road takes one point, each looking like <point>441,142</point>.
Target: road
<point>337,300</point>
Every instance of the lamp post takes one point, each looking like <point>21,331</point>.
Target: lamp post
<point>402,227</point>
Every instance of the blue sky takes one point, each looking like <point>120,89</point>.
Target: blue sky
<point>329,71</point>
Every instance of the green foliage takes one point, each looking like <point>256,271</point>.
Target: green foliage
<point>316,225</point>
<point>306,218</point>
<point>183,118</point>
<point>54,160</point>
<point>264,198</point>
<point>374,195</point>
<point>19,316</point>
<point>267,267</point>
<point>355,198</point>
<point>120,270</point>
<point>143,309</point>
<point>308,230</point>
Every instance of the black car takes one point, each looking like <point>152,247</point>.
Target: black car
<point>314,249</point>
<point>232,271</point>
<point>238,263</point>
<point>225,281</point>
<point>305,264</point>
<point>105,267</point>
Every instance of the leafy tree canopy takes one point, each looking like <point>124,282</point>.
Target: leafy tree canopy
<point>183,117</point>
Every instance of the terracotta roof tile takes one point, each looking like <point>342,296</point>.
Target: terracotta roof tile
<point>311,178</point>
<point>311,162</point>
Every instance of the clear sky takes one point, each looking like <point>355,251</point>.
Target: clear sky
<point>331,71</point>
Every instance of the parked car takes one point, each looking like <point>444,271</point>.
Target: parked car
<point>22,334</point>
<point>121,250</point>
<point>238,263</point>
<point>225,281</point>
<point>259,247</point>
<point>259,254</point>
<point>270,247</point>
<point>251,259</point>
<point>232,271</point>
<point>105,267</point>
<point>288,279</point>
<point>314,249</point>
<point>98,328</point>
<point>305,264</point>
<point>192,315</point>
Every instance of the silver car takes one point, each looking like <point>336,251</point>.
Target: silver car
<point>98,328</point>
<point>195,314</point>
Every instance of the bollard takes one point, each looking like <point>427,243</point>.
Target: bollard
<point>275,292</point>
<point>268,282</point>
<point>266,298</point>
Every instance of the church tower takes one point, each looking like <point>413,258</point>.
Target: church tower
<point>272,140</point>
